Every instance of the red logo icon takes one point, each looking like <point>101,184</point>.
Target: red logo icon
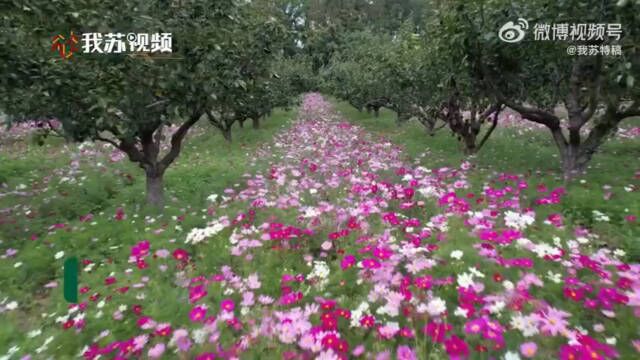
<point>64,46</point>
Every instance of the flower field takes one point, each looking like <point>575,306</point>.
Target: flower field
<point>333,244</point>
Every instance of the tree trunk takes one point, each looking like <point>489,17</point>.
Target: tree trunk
<point>241,122</point>
<point>469,141</point>
<point>574,163</point>
<point>155,189</point>
<point>399,118</point>
<point>226,133</point>
<point>255,122</point>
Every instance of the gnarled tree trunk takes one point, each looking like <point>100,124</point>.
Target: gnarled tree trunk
<point>155,188</point>
<point>146,153</point>
<point>226,134</point>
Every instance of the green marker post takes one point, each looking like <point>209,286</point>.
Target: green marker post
<point>71,280</point>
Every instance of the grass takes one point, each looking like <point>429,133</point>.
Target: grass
<point>54,192</point>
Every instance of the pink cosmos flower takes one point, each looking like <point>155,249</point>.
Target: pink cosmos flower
<point>385,355</point>
<point>156,351</point>
<point>253,282</point>
<point>183,343</point>
<point>553,321</point>
<point>162,253</point>
<point>404,352</point>
<point>528,349</point>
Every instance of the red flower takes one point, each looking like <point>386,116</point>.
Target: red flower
<point>330,341</point>
<point>368,321</point>
<point>137,309</point>
<point>344,313</point>
<point>573,294</point>
<point>181,255</point>
<point>343,346</point>
<point>68,324</point>
<point>328,305</point>
<point>163,330</point>
<point>119,214</point>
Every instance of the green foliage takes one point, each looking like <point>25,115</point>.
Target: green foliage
<point>538,71</point>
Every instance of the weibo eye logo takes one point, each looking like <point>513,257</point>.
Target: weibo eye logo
<point>513,33</point>
<point>64,46</point>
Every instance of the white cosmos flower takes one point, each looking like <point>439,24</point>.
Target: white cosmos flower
<point>497,307</point>
<point>460,312</point>
<point>457,254</point>
<point>510,355</point>
<point>465,280</point>
<point>436,306</point>
<point>476,273</point>
<point>34,333</point>
<point>518,221</point>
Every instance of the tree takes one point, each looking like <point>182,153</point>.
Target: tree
<point>360,71</point>
<point>126,100</point>
<point>533,77</point>
<point>262,37</point>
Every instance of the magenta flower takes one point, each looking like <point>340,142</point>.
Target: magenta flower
<point>347,261</point>
<point>370,263</point>
<point>456,347</point>
<point>475,326</point>
<point>198,313</point>
<point>227,305</point>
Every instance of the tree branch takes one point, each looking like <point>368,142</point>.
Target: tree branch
<point>536,115</point>
<point>631,111</point>
<point>497,109</point>
<point>100,138</point>
<point>177,138</point>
